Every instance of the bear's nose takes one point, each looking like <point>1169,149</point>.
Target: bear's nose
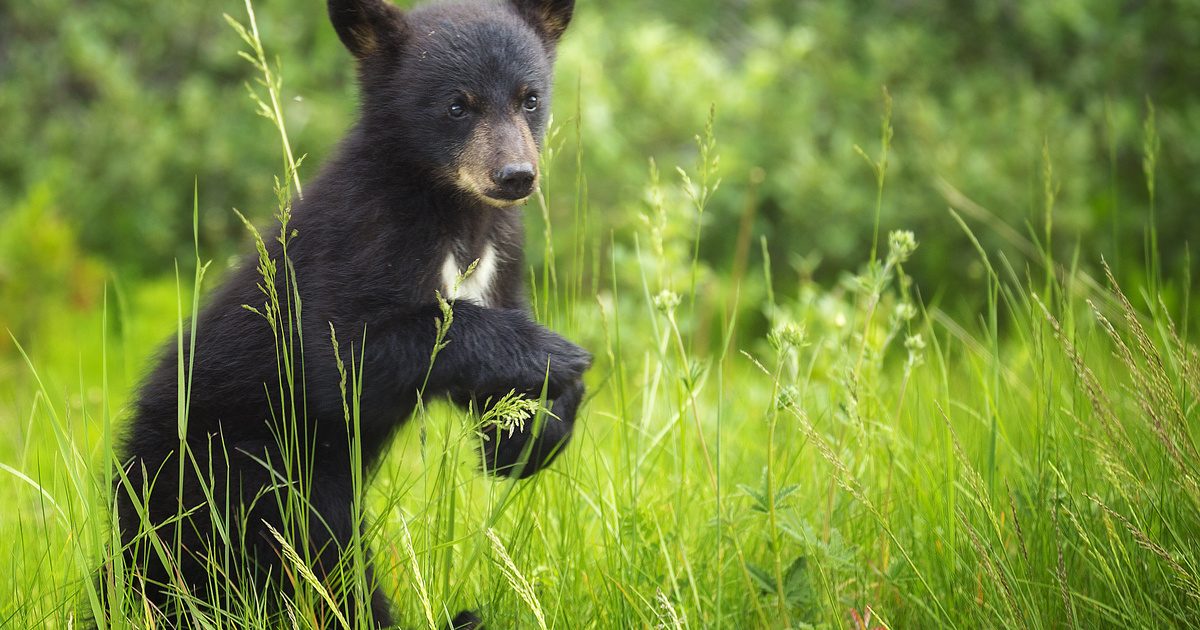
<point>514,180</point>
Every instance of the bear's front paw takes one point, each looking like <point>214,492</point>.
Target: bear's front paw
<point>521,451</point>
<point>566,363</point>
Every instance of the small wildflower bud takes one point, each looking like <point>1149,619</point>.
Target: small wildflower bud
<point>788,397</point>
<point>666,301</point>
<point>901,245</point>
<point>787,336</point>
<point>915,344</point>
<point>905,312</point>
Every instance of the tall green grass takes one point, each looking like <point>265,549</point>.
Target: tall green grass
<point>870,462</point>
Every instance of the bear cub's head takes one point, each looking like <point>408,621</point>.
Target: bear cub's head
<point>456,93</point>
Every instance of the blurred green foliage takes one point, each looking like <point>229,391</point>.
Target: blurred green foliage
<point>112,111</point>
<point>41,267</point>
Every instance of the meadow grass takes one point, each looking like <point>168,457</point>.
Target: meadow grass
<point>870,461</point>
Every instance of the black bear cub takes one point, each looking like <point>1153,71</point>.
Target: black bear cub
<point>430,180</point>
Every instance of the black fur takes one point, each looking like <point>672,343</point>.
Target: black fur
<point>409,185</point>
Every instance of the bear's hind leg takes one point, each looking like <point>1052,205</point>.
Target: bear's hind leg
<point>321,535</point>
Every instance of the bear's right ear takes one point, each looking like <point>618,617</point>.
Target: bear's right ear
<point>367,26</point>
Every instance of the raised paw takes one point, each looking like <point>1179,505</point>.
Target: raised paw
<point>566,363</point>
<point>520,453</point>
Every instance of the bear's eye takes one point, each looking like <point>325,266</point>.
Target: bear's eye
<point>531,103</point>
<point>456,110</point>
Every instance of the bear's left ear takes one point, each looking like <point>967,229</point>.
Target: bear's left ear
<point>548,17</point>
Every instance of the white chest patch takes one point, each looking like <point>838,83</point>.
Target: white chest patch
<point>476,287</point>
